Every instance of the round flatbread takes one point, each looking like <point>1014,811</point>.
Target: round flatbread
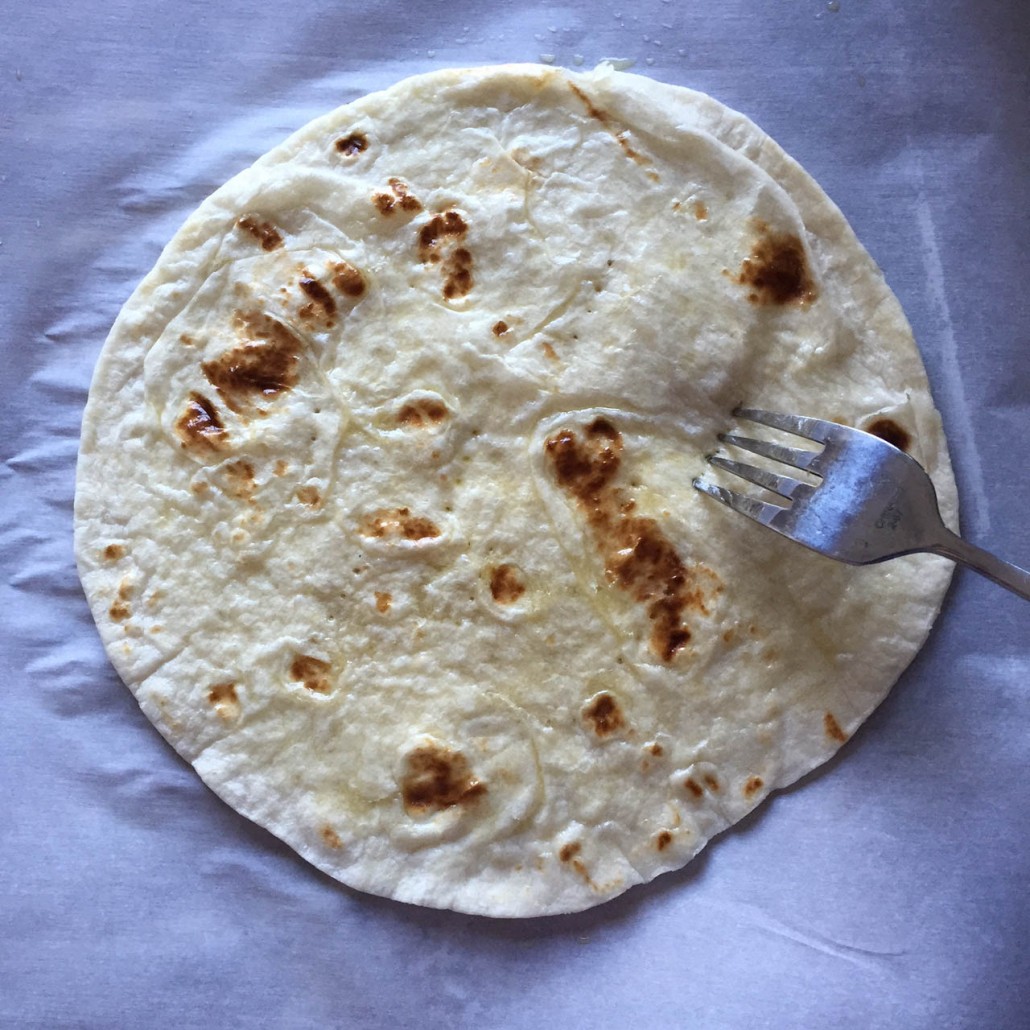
<point>384,502</point>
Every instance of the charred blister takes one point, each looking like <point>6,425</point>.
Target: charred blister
<point>603,716</point>
<point>639,558</point>
<point>777,272</point>
<point>399,198</point>
<point>833,730</point>
<point>441,242</point>
<point>200,428</point>
<point>264,366</point>
<point>507,584</point>
<point>309,495</point>
<point>752,786</point>
<point>424,413</point>
<point>436,777</point>
<point>322,305</point>
<point>347,279</point>
<point>265,234</point>
<point>398,524</point>
<point>225,701</point>
<point>239,480</point>
<point>331,838</point>
<point>620,135</point>
<point>120,609</point>
<point>312,673</point>
<point>889,430</point>
<point>351,145</point>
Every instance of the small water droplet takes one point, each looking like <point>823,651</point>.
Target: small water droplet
<point>538,36</point>
<point>657,43</point>
<point>647,39</point>
<point>681,52</point>
<point>430,53</point>
<point>547,58</point>
<point>37,223</point>
<point>17,74</point>
<point>578,59</point>
<point>552,28</point>
<point>833,5</point>
<point>648,60</point>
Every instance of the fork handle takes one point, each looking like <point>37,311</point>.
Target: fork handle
<point>1013,578</point>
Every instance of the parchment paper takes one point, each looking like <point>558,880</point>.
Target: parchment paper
<point>890,889</point>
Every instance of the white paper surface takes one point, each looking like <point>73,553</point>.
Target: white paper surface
<point>890,889</point>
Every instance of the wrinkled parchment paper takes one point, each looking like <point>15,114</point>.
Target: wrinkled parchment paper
<point>890,889</point>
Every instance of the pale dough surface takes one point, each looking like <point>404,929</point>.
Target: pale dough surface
<point>384,503</point>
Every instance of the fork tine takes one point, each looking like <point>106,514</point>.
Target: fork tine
<point>799,425</point>
<point>782,485</point>
<point>807,460</point>
<point>760,511</point>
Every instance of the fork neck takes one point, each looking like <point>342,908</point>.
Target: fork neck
<point>1013,578</point>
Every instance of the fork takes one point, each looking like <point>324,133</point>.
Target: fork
<point>874,501</point>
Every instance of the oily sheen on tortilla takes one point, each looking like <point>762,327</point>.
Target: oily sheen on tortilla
<point>384,503</point>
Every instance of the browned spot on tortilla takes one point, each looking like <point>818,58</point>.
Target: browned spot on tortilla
<point>753,785</point>
<point>240,480</point>
<point>700,210</point>
<point>506,585</point>
<point>310,496</point>
<point>318,293</point>
<point>639,558</point>
<point>833,730</point>
<point>383,602</point>
<point>264,366</point>
<point>312,672</point>
<point>352,145</point>
<point>348,279</point>
<point>119,610</point>
<point>570,851</point>
<point>186,340</point>
<point>437,777</point>
<point>777,270</point>
<point>711,783</point>
<point>889,430</point>
<point>264,233</point>
<point>398,523</point>
<point>398,197</point>
<point>280,467</point>
<point>500,328</point>
<point>422,413</point>
<point>199,428</point>
<point>549,351</point>
<point>224,699</point>
<point>604,714</point>
<point>331,838</point>
<point>439,241</point>
<point>620,136</point>
<point>656,749</point>
<point>112,552</point>
<point>663,840</point>
<point>694,787</point>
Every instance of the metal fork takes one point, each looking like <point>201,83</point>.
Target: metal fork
<point>874,502</point>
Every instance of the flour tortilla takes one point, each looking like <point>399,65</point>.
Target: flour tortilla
<point>384,503</point>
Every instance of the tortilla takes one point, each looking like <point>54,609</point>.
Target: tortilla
<point>384,504</point>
